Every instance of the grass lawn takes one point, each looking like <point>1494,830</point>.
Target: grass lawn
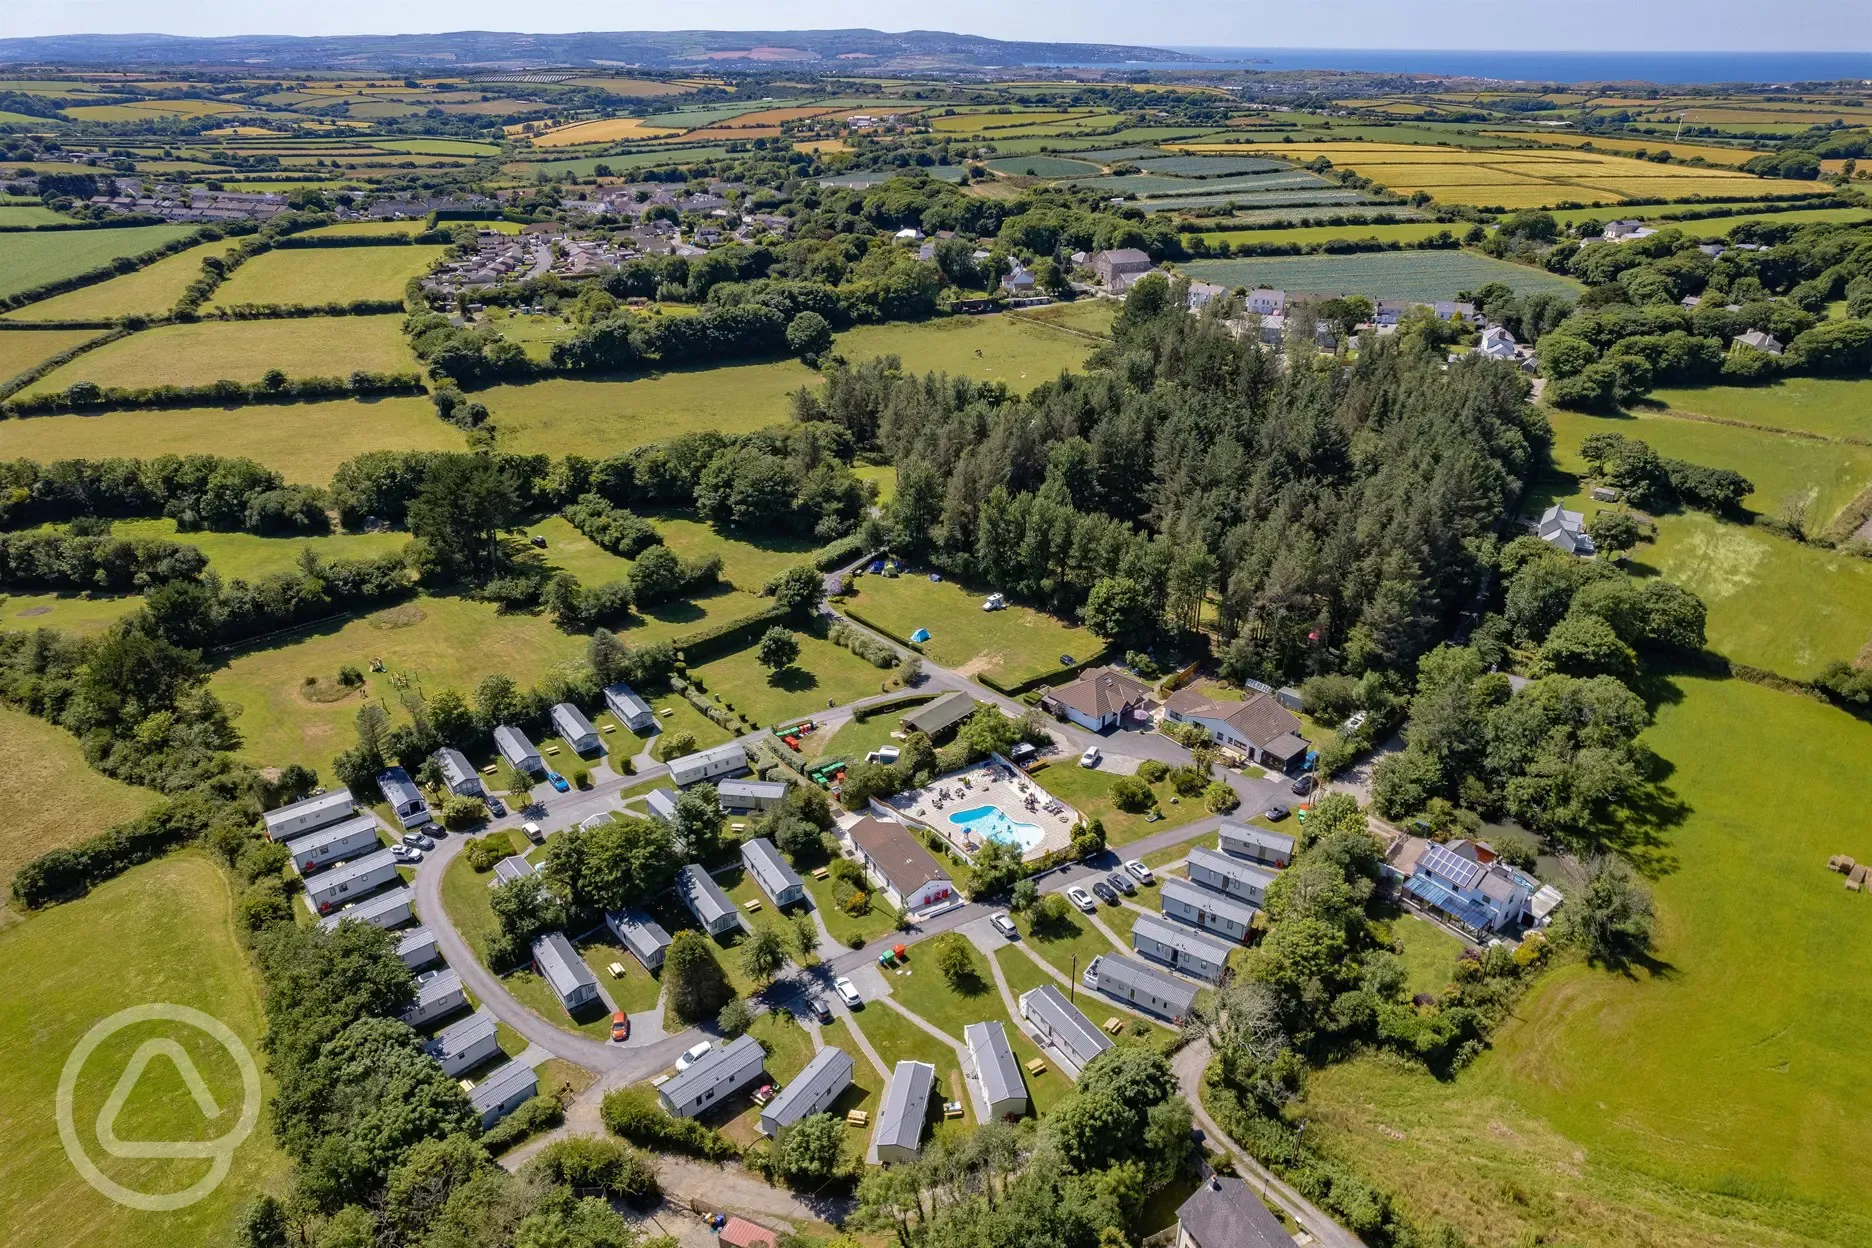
<point>1170,854</point>
<point>601,417</point>
<point>867,1086</point>
<point>163,932</point>
<point>749,560</point>
<point>32,259</point>
<point>1088,790</point>
<point>1069,947</point>
<point>880,920</point>
<point>1833,407</point>
<point>151,290</point>
<point>531,990</point>
<point>823,671</point>
<point>1018,351</point>
<point>571,551</point>
<point>884,474</point>
<point>305,442</point>
<point>682,717</point>
<point>73,613</point>
<point>637,990</point>
<point>854,738</point>
<point>21,349</point>
<point>433,643</point>
<point>535,334</point>
<point>250,557</point>
<point>897,1039</point>
<point>1011,645</point>
<point>1088,316</point>
<point>52,796</point>
<point>318,275</point>
<point>465,897</point>
<point>1715,1100</point>
<point>207,351</point>
<point>31,214</point>
<point>924,991</point>
<point>1023,974</point>
<point>1429,953</point>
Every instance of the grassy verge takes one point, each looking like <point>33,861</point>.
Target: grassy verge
<point>52,796</point>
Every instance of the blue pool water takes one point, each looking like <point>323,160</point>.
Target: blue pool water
<point>992,823</point>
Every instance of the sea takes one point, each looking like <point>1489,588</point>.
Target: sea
<point>1766,68</point>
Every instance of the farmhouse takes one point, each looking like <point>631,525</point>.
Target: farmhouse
<point>720,1074</point>
<point>1229,876</point>
<point>1060,1024</point>
<point>812,1091</point>
<point>1018,281</point>
<point>1207,911</point>
<point>319,811</point>
<point>632,711</point>
<point>505,1089</point>
<point>325,890</point>
<point>406,800</point>
<point>1101,698</point>
<point>995,1067</point>
<point>333,842</point>
<point>437,993</point>
<point>385,909</point>
<point>1202,294</point>
<point>1139,986</point>
<point>517,750</point>
<point>457,773</point>
<point>779,881</point>
<point>723,760</point>
<point>1117,269</point>
<point>574,729</point>
<point>1172,944</point>
<point>1224,1213</point>
<point>742,796</point>
<point>906,1107</point>
<point>1480,896</point>
<point>1244,840</point>
<point>1259,726</point>
<point>1759,341</point>
<point>1564,530</point>
<point>1498,344</point>
<point>706,900</point>
<point>558,963</point>
<point>899,865</point>
<point>417,947</point>
<point>934,718</point>
<point>509,869</point>
<point>640,934</point>
<point>464,1045</point>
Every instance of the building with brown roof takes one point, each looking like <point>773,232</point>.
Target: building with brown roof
<point>900,866</point>
<point>1099,699</point>
<point>1260,727</point>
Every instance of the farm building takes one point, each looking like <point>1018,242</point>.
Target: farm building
<point>385,909</point>
<point>438,993</point>
<point>406,800</point>
<point>327,890</point>
<point>632,711</point>
<point>1138,986</point>
<point>812,1091</point>
<point>334,843</point>
<point>1206,910</point>
<point>558,963</point>
<point>511,868</point>
<point>517,750</point>
<point>1196,955</point>
<point>899,865</point>
<point>995,1067</point>
<point>1059,1023</point>
<point>319,811</point>
<point>1259,727</point>
<point>1224,1213</point>
<point>662,804</point>
<point>640,934</point>
<point>464,1045</point>
<point>933,718</point>
<point>1101,698</point>
<point>1231,877</point>
<point>505,1089</point>
<point>723,760</point>
<point>574,729</point>
<point>717,1076</point>
<point>905,1110</point>
<point>706,901</point>
<point>457,773</point>
<point>780,882</point>
<point>417,947</point>
<point>1244,840</point>
<point>743,796</point>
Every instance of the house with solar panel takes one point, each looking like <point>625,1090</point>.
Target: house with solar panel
<point>1465,883</point>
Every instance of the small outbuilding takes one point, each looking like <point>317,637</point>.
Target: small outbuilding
<point>511,868</point>
<point>779,881</point>
<point>662,804</point>
<point>935,718</point>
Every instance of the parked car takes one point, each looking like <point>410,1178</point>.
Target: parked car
<point>496,808</point>
<point>1091,757</point>
<point>1123,883</point>
<point>1138,869</point>
<point>559,782</point>
<point>413,838</point>
<point>1079,897</point>
<point>539,540</point>
<point>694,1055</point>
<point>821,1010</point>
<point>533,832</point>
<point>1004,925</point>
<point>1105,892</point>
<point>848,992</point>
<point>1303,786</point>
<point>1274,814</point>
<point>406,853</point>
<point>620,1027</point>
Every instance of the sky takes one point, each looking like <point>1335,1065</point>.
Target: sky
<point>1581,25</point>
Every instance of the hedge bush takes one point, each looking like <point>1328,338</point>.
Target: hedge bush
<point>635,1115</point>
<point>542,1113</point>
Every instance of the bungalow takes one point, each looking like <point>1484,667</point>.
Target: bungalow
<point>905,1109</point>
<point>1244,840</point>
<point>1259,727</point>
<point>1100,699</point>
<point>457,774</point>
<point>517,750</point>
<point>1224,1213</point>
<point>325,891</point>
<point>386,909</point>
<point>933,718</point>
<point>505,1089</point>
<point>1061,1025</point>
<point>1174,945</point>
<point>640,934</point>
<point>719,1074</point>
<point>574,729</point>
<point>1207,911</point>
<point>511,868</point>
<point>1480,896</point>
<point>559,964</point>
<point>661,803</point>
<point>897,863</point>
<point>1118,269</point>
<point>742,796</point>
<point>632,711</point>
<point>437,993</point>
<point>723,760</point>
<point>321,810</point>
<point>810,1092</point>
<point>1759,341</point>
<point>334,843</point>
<point>406,800</point>
<point>1564,530</point>
<point>464,1045</point>
<point>1142,988</point>
<point>706,901</point>
<point>780,882</point>
<point>1229,876</point>
<point>417,947</point>
<point>996,1069</point>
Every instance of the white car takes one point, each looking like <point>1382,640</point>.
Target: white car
<point>1004,925</point>
<point>1079,897</point>
<point>406,853</point>
<point>533,832</point>
<point>848,992</point>
<point>694,1055</point>
<point>1091,757</point>
<point>1139,870</point>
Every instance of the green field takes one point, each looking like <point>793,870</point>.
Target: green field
<point>162,933</point>
<point>1012,644</point>
<point>1428,952</point>
<point>1044,167</point>
<point>824,675</point>
<point>364,229</point>
<point>1716,1100</point>
<point>1088,316</point>
<point>31,214</point>
<point>150,291</point>
<point>319,275</point>
<point>1381,274</point>
<point>33,259</point>
<point>1018,351</point>
<point>21,349</point>
<point>1401,232</point>
<point>749,561</point>
<point>52,796</point>
<point>68,612</point>
<point>209,351</point>
<point>1067,948</point>
<point>250,557</point>
<point>1711,227</point>
<point>1831,407</point>
<point>305,442</point>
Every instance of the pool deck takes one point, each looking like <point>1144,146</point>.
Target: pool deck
<point>993,783</point>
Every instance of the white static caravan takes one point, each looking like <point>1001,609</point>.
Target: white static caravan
<point>1060,1024</point>
<point>387,909</point>
<point>779,881</point>
<point>711,764</point>
<point>810,1092</point>
<point>464,1045</point>
<point>503,1091</point>
<point>632,711</point>
<point>405,799</point>
<point>561,967</point>
<point>458,773</point>
<point>1000,1074</point>
<point>1159,940</point>
<point>705,899</point>
<point>747,796</point>
<point>574,729</point>
<point>305,816</point>
<point>1229,876</point>
<point>906,1106</point>
<point>327,890</point>
<point>1244,840</point>
<point>417,947</point>
<point>1207,910</point>
<point>640,934</point>
<point>334,843</point>
<point>520,753</point>
<point>438,993</point>
<point>719,1075</point>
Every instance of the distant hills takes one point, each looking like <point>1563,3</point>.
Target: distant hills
<point>685,49</point>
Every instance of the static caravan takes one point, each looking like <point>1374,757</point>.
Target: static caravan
<point>406,800</point>
<point>387,909</point>
<point>905,1110</point>
<point>438,993</point>
<point>712,764</point>
<point>746,796</point>
<point>1229,876</point>
<point>327,890</point>
<point>561,967</point>
<point>505,1089</point>
<point>1158,939</point>
<point>780,882</point>
<point>705,899</point>
<point>334,843</point>
<point>574,729</point>
<point>1059,1022</point>
<point>719,1075</point>
<point>1244,840</point>
<point>417,947</point>
<point>301,817</point>
<point>1141,987</point>
<point>457,773</point>
<point>640,934</point>
<point>632,711</point>
<point>464,1045</point>
<point>995,1066</point>
<point>517,750</point>
<point>1207,910</point>
<point>810,1092</point>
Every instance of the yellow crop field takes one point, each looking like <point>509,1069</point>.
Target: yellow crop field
<point>1731,156</point>
<point>144,110</point>
<point>607,130</point>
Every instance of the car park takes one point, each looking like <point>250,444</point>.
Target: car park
<point>694,1055</point>
<point>559,782</point>
<point>848,992</point>
<point>1079,897</point>
<point>1123,883</point>
<point>1138,869</point>
<point>1004,925</point>
<point>1105,892</point>
<point>1274,814</point>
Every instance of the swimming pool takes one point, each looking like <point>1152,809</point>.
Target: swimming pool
<point>992,823</point>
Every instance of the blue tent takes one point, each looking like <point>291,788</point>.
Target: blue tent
<point>920,636</point>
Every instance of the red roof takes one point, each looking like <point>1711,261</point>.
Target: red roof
<point>741,1233</point>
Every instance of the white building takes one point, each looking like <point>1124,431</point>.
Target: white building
<point>457,773</point>
<point>319,811</point>
<point>1179,947</point>
<point>327,890</point>
<point>1207,911</point>
<point>1058,1022</point>
<point>810,1092</point>
<point>406,800</point>
<point>438,994</point>
<point>743,796</point>
<point>1258,727</point>
<point>1245,840</point>
<point>334,843</point>
<point>1231,877</point>
<point>705,899</point>
<point>640,934</point>
<point>1564,530</point>
<point>387,909</point>
<point>906,872</point>
<point>574,729</point>
<point>517,750</point>
<point>417,947</point>
<point>717,1076</point>
<point>1099,699</point>
<point>462,1046</point>
<point>504,1090</point>
<point>632,711</point>
<point>559,964</point>
<point>779,881</point>
<point>1141,987</point>
<point>904,1111</point>
<point>723,760</point>
<point>996,1070</point>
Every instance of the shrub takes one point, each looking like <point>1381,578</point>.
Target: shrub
<point>735,1018</point>
<point>1220,798</point>
<point>1152,771</point>
<point>483,852</point>
<point>460,812</point>
<point>542,1113</point>
<point>1132,795</point>
<point>581,777</point>
<point>633,1114</point>
<point>611,1166</point>
<point>1188,781</point>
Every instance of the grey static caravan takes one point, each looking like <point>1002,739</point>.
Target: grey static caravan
<point>711,764</point>
<point>995,1066</point>
<point>505,1089</point>
<point>1244,840</point>
<point>305,816</point>
<point>329,889</point>
<point>333,843</point>
<point>417,947</point>
<point>438,993</point>
<point>1061,1025</point>
<point>520,753</point>
<point>1229,876</point>
<point>719,1075</point>
<point>464,1045</point>
<point>406,800</point>
<point>561,967</point>
<point>1141,987</point>
<point>744,796</point>
<point>905,1110</point>
<point>457,773</point>
<point>511,868</point>
<point>810,1092</point>
<point>574,729</point>
<point>706,900</point>
<point>779,881</point>
<point>640,934</point>
<point>632,711</point>
<point>1207,910</point>
<point>1158,939</point>
<point>387,909</point>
